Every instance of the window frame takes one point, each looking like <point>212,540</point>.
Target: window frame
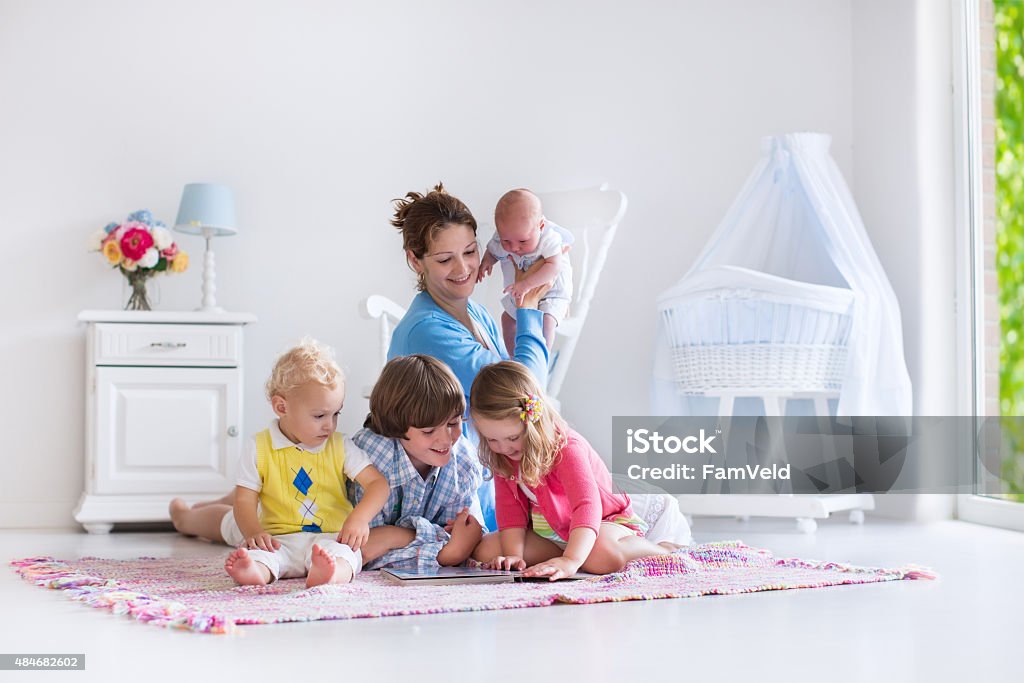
<point>970,250</point>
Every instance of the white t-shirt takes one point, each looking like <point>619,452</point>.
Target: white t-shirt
<point>248,476</point>
<point>549,244</point>
<point>552,239</point>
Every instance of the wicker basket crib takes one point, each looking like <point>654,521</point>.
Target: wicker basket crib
<point>735,331</point>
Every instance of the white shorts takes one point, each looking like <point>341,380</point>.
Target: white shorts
<point>556,307</point>
<point>294,558</point>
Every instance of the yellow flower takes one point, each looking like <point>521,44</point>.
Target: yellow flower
<point>179,263</point>
<point>112,250</point>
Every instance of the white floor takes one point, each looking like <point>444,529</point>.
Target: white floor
<point>965,626</point>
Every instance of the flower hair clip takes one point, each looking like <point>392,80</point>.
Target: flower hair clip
<point>533,408</point>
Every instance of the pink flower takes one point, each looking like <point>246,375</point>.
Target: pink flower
<point>170,252</point>
<point>135,242</point>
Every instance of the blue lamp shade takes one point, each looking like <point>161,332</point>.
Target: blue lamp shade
<point>206,208</point>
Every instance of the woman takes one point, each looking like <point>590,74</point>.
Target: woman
<point>439,238</point>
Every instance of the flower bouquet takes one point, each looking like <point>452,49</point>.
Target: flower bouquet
<point>140,248</point>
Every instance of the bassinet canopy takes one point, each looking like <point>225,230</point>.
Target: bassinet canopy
<point>787,287</point>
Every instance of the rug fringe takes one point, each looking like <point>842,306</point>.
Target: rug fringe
<point>913,572</point>
<point>110,595</point>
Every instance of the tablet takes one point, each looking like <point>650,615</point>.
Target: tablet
<point>444,576</point>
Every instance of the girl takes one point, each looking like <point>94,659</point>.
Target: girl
<point>556,510</point>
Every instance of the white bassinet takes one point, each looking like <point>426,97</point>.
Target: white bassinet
<point>787,296</point>
<point>787,300</point>
<point>735,331</point>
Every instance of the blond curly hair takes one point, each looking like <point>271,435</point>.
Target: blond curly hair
<point>308,361</point>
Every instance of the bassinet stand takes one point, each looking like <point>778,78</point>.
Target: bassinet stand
<point>806,508</point>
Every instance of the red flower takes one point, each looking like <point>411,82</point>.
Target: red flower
<point>135,243</point>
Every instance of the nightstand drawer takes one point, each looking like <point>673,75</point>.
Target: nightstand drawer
<point>164,344</point>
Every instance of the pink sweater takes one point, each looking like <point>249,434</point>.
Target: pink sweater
<point>577,492</point>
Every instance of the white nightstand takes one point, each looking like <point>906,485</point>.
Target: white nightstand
<point>163,411</point>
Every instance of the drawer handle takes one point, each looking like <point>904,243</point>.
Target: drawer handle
<point>232,431</point>
<point>168,345</point>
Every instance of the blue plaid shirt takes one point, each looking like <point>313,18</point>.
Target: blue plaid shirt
<point>424,505</point>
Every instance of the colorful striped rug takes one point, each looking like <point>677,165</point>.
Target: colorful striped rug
<point>197,595</point>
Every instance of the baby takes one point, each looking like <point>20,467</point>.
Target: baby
<point>291,517</point>
<point>523,238</point>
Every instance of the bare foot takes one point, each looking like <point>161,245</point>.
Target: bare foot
<point>246,571</point>
<point>325,569</point>
<point>176,509</point>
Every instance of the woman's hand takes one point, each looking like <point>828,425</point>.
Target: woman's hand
<point>555,568</point>
<point>531,298</point>
<point>518,290</point>
<point>506,562</point>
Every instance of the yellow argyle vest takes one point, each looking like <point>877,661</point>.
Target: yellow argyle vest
<point>301,491</point>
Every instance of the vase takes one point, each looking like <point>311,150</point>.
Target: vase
<point>139,299</point>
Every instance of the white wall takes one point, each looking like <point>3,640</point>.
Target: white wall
<point>903,181</point>
<point>903,176</point>
<point>319,113</point>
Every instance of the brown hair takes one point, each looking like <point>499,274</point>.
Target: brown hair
<point>500,392</point>
<point>413,391</point>
<point>420,217</point>
<point>308,361</point>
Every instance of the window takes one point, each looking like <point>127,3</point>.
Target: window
<point>989,88</point>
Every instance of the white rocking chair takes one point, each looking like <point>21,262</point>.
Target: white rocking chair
<point>592,215</point>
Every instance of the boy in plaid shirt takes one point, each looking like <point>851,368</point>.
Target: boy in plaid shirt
<point>413,435</point>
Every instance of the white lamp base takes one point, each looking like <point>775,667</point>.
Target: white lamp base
<point>209,304</point>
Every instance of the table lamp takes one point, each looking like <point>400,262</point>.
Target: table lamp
<point>209,210</point>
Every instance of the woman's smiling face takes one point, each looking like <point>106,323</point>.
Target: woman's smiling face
<point>450,266</point>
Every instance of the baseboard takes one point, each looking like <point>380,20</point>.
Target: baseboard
<point>36,514</point>
<point>915,507</point>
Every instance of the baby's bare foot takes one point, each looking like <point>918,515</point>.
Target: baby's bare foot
<point>671,547</point>
<point>246,571</point>
<point>325,569</point>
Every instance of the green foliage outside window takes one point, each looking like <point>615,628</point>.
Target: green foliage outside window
<point>1009,36</point>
